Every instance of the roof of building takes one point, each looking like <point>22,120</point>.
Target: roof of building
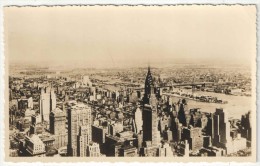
<point>34,138</point>
<point>58,111</point>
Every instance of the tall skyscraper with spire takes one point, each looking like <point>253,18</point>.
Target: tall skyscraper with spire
<point>150,121</point>
<point>149,90</point>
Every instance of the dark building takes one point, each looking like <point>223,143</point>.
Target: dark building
<point>150,125</point>
<point>246,128</point>
<point>98,135</point>
<point>58,127</point>
<point>150,121</point>
<point>181,113</point>
<point>221,129</point>
<point>149,90</point>
<point>148,150</point>
<point>127,150</point>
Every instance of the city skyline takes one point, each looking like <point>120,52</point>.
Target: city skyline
<point>130,37</point>
<point>131,81</point>
<point>135,121</point>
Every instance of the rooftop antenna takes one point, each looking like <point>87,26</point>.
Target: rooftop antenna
<point>149,65</point>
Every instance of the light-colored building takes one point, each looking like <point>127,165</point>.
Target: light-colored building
<point>83,141</point>
<point>28,114</point>
<point>86,81</point>
<point>138,120</point>
<point>165,150</point>
<point>93,150</point>
<point>79,115</point>
<point>34,145</point>
<point>235,91</point>
<point>30,102</point>
<point>47,103</point>
<point>36,118</point>
<point>184,148</point>
<point>115,128</point>
<point>239,143</point>
<point>53,100</point>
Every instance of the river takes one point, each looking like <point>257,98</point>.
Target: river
<point>236,106</point>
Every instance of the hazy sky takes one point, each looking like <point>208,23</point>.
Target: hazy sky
<point>127,36</point>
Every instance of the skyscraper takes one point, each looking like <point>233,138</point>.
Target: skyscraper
<point>246,126</point>
<point>149,90</point>
<point>150,120</point>
<point>52,100</point>
<point>82,141</point>
<point>58,127</point>
<point>138,120</point>
<point>79,128</point>
<point>221,129</point>
<point>150,126</point>
<point>30,102</point>
<point>194,137</point>
<point>47,103</point>
<point>44,105</point>
<point>181,112</point>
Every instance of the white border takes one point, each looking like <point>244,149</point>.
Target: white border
<point>114,2</point>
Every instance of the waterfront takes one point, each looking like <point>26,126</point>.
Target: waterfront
<point>236,106</point>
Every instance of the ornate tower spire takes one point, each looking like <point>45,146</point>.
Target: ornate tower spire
<point>149,87</point>
<point>148,81</point>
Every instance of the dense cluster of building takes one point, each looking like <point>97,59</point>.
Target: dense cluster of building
<point>63,117</point>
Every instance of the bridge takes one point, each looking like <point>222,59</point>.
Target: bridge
<point>203,84</point>
<point>192,84</point>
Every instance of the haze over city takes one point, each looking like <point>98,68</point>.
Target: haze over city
<point>130,37</point>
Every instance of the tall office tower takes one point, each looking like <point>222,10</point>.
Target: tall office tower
<point>209,125</point>
<point>52,100</point>
<point>30,102</point>
<point>246,127</point>
<point>221,129</point>
<point>58,127</point>
<point>82,141</point>
<point>138,120</point>
<point>181,113</point>
<point>150,125</point>
<point>45,105</point>
<point>204,122</point>
<point>150,121</point>
<point>79,115</point>
<point>176,130</point>
<point>194,136</point>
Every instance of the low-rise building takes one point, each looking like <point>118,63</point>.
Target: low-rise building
<point>34,145</point>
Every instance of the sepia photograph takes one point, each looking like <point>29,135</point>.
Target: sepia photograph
<point>130,83</point>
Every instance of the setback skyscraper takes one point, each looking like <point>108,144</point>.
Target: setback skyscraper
<point>79,128</point>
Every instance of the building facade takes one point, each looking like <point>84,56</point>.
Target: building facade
<point>79,128</point>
